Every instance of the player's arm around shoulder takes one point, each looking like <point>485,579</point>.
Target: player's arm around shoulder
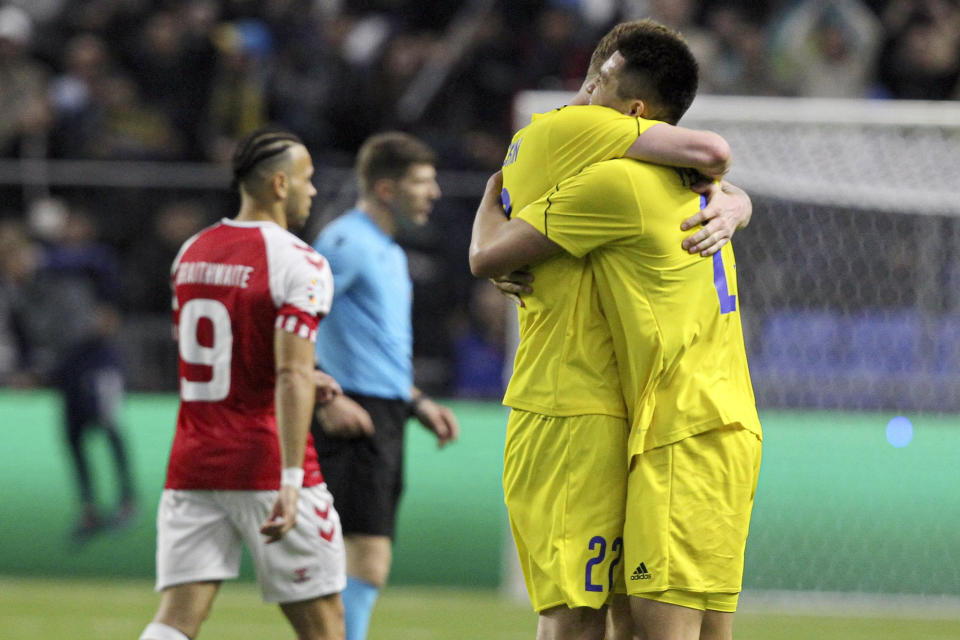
<point>436,417</point>
<point>499,245</point>
<point>662,143</point>
<point>728,209</point>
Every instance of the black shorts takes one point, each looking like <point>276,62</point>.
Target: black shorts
<point>365,475</point>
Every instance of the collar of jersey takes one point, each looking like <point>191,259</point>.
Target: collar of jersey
<point>365,217</point>
<point>248,223</point>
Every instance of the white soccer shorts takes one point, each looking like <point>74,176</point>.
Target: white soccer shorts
<point>200,533</point>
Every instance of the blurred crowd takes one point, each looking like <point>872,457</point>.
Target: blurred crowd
<point>181,80</point>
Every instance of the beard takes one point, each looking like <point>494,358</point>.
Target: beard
<point>297,214</point>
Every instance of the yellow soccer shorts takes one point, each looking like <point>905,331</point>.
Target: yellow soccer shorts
<point>564,483</point>
<point>687,517</point>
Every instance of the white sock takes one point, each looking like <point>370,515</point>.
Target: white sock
<point>159,631</point>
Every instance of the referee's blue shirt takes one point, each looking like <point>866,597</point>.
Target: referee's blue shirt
<point>366,342</point>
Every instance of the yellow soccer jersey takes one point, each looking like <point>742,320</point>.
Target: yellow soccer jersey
<point>564,364</point>
<point>674,317</point>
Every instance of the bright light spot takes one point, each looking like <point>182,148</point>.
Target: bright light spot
<point>899,431</point>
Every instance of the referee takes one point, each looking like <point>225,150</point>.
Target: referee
<point>366,344</point>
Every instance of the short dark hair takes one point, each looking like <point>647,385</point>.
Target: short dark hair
<point>258,146</point>
<point>608,44</point>
<point>659,69</point>
<point>390,155</point>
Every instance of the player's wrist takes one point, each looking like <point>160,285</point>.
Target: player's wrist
<point>291,477</point>
<point>415,403</point>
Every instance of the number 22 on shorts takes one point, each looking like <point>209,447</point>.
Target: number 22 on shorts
<point>598,545</point>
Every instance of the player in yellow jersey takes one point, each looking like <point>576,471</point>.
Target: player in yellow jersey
<point>604,135</point>
<point>565,392</point>
<point>679,352</point>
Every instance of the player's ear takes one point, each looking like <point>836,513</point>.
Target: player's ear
<point>385,189</point>
<point>583,95</point>
<point>280,184</point>
<point>638,109</point>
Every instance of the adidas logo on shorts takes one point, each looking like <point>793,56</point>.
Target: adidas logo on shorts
<point>641,573</point>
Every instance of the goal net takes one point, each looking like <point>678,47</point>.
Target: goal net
<point>849,276</point>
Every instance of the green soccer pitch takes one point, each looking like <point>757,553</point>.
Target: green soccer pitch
<point>80,609</point>
<point>839,508</point>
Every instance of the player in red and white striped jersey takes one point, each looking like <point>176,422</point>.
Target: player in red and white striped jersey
<point>248,296</point>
